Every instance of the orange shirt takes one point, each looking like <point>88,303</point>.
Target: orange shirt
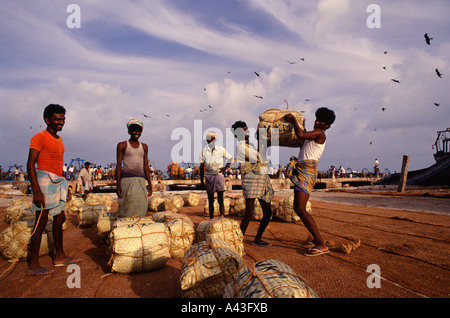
<point>51,152</point>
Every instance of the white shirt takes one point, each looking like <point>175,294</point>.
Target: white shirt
<point>213,158</point>
<point>311,150</point>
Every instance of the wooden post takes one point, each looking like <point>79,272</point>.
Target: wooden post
<point>404,174</point>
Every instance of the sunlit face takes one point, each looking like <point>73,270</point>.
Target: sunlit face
<point>135,132</point>
<point>56,121</point>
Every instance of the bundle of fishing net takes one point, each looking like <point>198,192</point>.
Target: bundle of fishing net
<point>208,267</point>
<point>138,247</point>
<point>190,199</point>
<point>88,214</point>
<point>173,203</point>
<point>15,240</point>
<point>100,199</point>
<point>105,223</point>
<point>286,210</point>
<point>239,208</point>
<point>269,279</point>
<point>181,231</point>
<point>227,230</point>
<point>274,119</point>
<point>74,205</point>
<point>156,203</point>
<point>19,210</point>
<point>226,204</point>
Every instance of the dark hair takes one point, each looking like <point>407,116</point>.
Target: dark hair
<point>53,109</point>
<point>236,125</point>
<point>87,163</point>
<point>325,115</point>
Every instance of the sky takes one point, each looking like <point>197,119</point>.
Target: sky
<point>185,67</point>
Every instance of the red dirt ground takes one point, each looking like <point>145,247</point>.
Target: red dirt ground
<point>411,249</point>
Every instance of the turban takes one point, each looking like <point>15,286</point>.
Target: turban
<point>210,135</point>
<point>135,122</point>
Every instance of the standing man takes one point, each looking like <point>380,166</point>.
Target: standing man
<point>304,172</point>
<point>211,168</point>
<point>49,187</point>
<point>86,180</point>
<point>256,183</point>
<point>132,173</point>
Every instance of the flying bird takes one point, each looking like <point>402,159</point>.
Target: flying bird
<point>427,39</point>
<point>260,97</point>
<point>438,73</point>
<point>302,59</point>
<point>395,81</point>
<point>384,67</point>
<point>385,52</point>
<point>146,116</point>
<point>257,74</point>
<point>383,109</point>
<point>291,62</point>
<point>436,104</point>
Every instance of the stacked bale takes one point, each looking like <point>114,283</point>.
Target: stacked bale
<point>286,210</point>
<point>226,203</point>
<point>274,119</point>
<point>227,230</point>
<point>181,232</point>
<point>140,246</point>
<point>208,267</point>
<point>269,279</point>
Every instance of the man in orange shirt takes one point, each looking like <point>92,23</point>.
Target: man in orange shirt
<point>49,187</point>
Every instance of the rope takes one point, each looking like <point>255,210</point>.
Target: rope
<point>15,261</point>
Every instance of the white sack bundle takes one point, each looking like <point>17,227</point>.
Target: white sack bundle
<point>239,208</point>
<point>19,210</point>
<point>156,203</point>
<point>100,199</point>
<point>208,267</point>
<point>226,204</point>
<point>138,247</point>
<point>286,210</point>
<point>274,119</point>
<point>173,203</point>
<point>15,240</point>
<point>227,230</point>
<point>74,205</point>
<point>88,214</point>
<point>190,199</point>
<point>105,223</point>
<point>181,231</point>
<point>269,279</point>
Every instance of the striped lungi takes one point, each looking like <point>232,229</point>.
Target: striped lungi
<point>257,186</point>
<point>304,175</point>
<point>55,190</point>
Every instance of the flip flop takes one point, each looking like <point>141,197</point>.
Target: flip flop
<point>315,252</point>
<point>70,260</point>
<point>262,243</point>
<point>40,272</point>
